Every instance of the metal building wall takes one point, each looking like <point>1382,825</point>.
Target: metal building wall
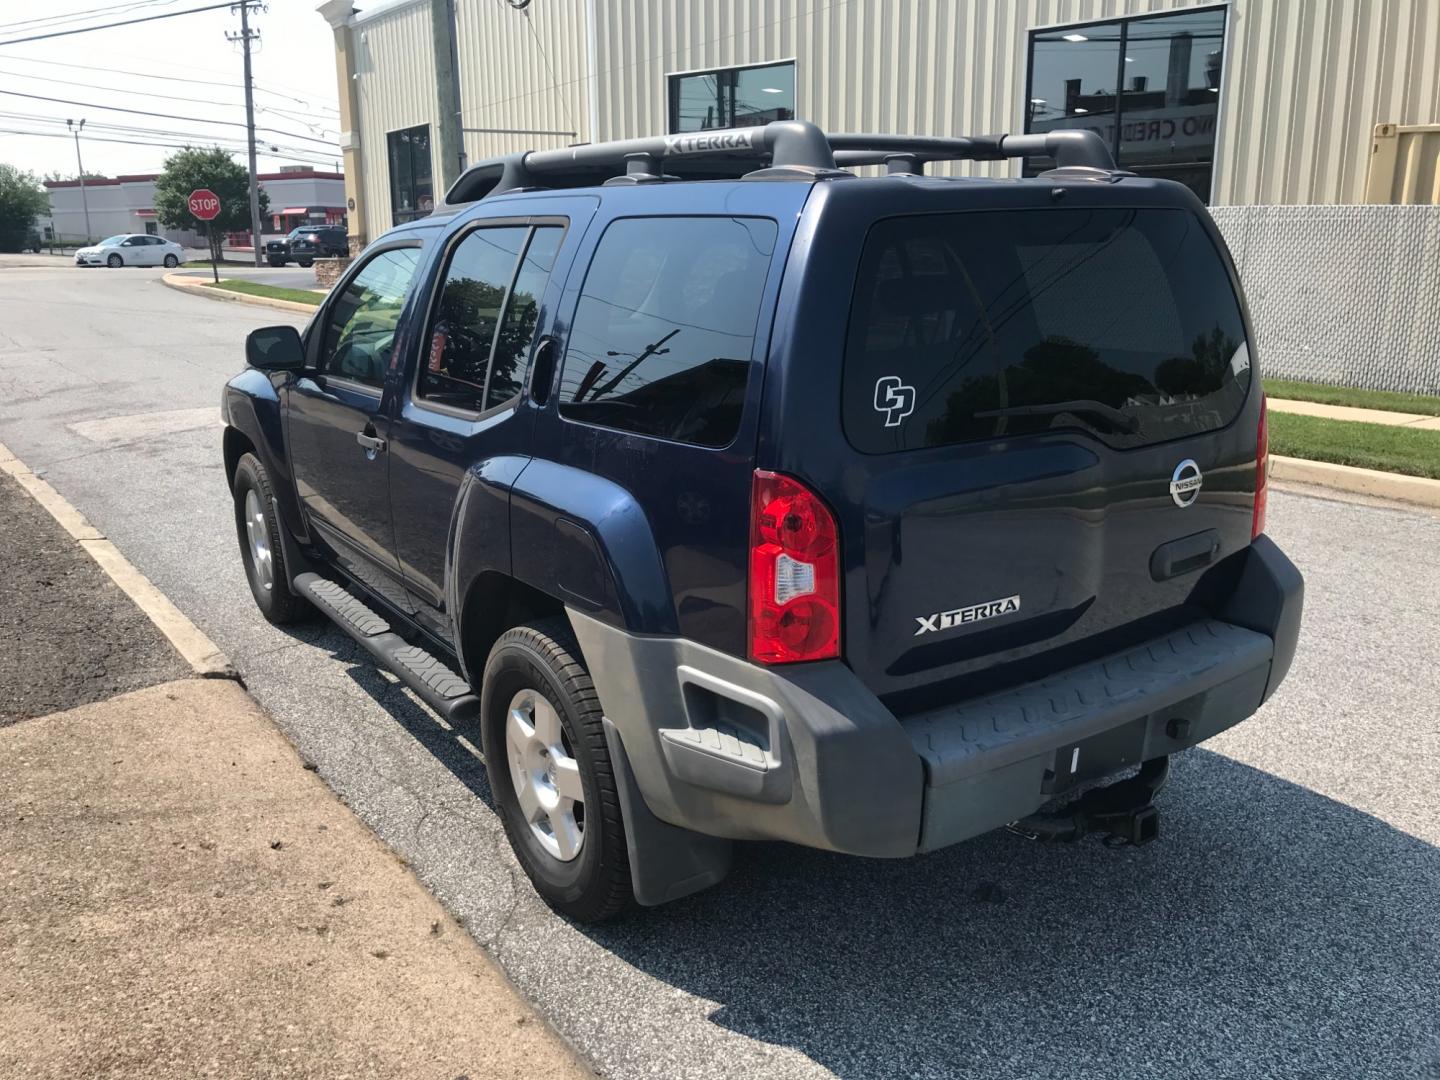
<point>396,89</point>
<point>522,69</point>
<point>1305,82</point>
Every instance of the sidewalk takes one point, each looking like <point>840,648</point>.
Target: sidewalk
<point>183,898</point>
<point>1346,412</point>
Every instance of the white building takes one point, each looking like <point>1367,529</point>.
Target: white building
<point>126,204</point>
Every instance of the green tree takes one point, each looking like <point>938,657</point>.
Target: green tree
<point>22,200</point>
<point>66,177</point>
<point>193,168</point>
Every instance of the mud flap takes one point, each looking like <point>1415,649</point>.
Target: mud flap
<point>666,862</point>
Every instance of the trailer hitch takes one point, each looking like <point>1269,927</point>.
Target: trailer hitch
<point>1124,811</point>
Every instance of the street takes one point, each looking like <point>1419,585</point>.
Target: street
<point>1287,924</point>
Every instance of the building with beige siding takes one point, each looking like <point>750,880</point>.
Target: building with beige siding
<point>1249,102</point>
<point>1302,123</point>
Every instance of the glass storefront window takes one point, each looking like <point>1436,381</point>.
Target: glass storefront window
<point>412,191</point>
<point>1149,86</point>
<point>732,97</point>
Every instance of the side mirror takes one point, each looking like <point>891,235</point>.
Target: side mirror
<point>275,348</point>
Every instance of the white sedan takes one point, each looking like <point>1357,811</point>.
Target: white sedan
<point>132,249</point>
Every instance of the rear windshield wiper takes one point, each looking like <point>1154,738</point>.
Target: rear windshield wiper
<point>1120,421</point>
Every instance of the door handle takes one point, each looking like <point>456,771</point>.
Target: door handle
<point>373,444</point>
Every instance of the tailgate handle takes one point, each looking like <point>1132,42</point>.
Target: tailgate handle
<point>1182,556</point>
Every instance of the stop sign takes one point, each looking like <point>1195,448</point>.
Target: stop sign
<point>204,204</point>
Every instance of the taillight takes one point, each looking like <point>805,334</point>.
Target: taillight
<point>1262,471</point>
<point>794,573</point>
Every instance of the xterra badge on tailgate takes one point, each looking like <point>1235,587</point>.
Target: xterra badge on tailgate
<point>946,620</point>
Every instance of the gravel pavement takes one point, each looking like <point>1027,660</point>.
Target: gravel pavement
<point>1288,924</point>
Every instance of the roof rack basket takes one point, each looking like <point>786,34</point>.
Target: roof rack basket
<point>784,148</point>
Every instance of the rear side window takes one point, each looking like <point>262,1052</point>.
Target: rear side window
<point>662,336</point>
<point>1121,322</point>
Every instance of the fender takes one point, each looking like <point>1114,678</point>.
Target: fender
<point>586,541</point>
<point>251,405</point>
<point>479,539</point>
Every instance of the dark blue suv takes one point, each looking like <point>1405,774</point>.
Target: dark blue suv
<point>733,495</point>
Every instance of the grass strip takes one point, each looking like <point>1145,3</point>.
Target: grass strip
<point>1366,446</point>
<point>274,292</point>
<point>1324,394</point>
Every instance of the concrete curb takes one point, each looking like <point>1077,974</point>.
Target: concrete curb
<point>197,287</point>
<point>1419,421</point>
<point>194,647</point>
<point>1381,485</point>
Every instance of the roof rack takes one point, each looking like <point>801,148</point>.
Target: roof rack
<point>785,148</point>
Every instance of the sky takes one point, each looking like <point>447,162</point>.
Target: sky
<point>181,66</point>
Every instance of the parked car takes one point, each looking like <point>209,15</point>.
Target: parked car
<point>131,249</point>
<point>869,514</point>
<point>306,244</point>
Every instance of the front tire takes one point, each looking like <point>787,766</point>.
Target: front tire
<point>277,263</point>
<point>550,771</point>
<point>260,547</point>
<point>114,261</point>
<point>307,263</point>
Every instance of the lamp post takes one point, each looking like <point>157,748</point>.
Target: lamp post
<point>75,130</point>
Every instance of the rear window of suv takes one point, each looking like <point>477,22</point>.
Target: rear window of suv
<point>1120,322</point>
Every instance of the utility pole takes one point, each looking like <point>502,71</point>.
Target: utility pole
<point>75,130</point>
<point>245,37</point>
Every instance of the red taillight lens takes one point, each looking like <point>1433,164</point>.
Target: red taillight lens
<point>794,573</point>
<point>1262,471</point>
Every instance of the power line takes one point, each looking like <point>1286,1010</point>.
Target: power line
<point>71,16</point>
<point>163,116</point>
<point>230,143</point>
<point>167,78</point>
<point>107,26</point>
<point>135,93</point>
<point>161,144</point>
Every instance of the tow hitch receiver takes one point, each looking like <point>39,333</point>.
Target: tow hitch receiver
<point>1124,811</point>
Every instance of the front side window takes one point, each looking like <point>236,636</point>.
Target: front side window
<point>1149,86</point>
<point>732,97</point>
<point>361,322</point>
<point>662,336</point>
<point>412,191</point>
<point>1121,323</point>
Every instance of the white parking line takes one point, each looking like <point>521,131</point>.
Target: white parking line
<point>118,430</point>
<point>197,650</point>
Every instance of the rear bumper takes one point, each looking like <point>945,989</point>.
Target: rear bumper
<point>721,746</point>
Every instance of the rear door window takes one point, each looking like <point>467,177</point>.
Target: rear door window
<point>1119,322</point>
<point>661,340</point>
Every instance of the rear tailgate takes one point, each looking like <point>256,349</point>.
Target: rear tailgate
<point>1012,424</point>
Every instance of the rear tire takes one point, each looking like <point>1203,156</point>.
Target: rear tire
<point>114,261</point>
<point>171,262</point>
<point>535,671</point>
<point>260,547</point>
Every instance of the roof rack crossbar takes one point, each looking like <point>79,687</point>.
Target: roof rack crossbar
<point>1069,147</point>
<point>794,145</point>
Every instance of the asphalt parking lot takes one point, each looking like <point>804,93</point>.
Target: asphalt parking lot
<point>1287,924</point>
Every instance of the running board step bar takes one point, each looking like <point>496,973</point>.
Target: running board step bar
<point>429,677</point>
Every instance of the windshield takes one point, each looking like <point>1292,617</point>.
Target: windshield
<point>1120,322</point>
<point>114,241</point>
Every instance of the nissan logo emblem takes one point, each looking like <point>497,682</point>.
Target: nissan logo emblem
<point>1185,483</point>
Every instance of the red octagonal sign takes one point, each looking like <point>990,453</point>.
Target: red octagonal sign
<point>204,204</point>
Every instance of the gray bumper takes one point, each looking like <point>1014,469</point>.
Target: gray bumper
<point>719,746</point>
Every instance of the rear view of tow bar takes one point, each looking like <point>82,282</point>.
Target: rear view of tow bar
<point>1124,811</point>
